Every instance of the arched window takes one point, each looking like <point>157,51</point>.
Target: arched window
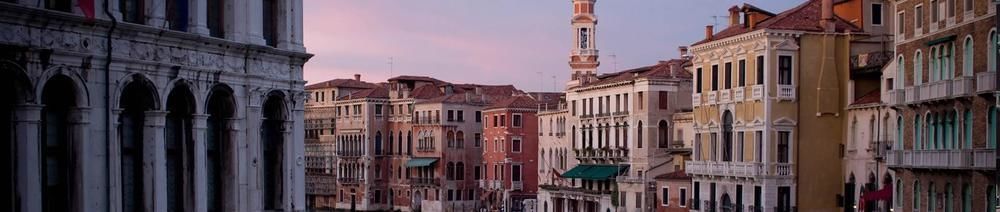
<point>179,147</point>
<point>273,148</point>
<point>219,147</point>
<point>450,171</point>
<point>460,139</point>
<point>916,132</point>
<point>399,143</point>
<point>916,195</point>
<point>900,72</point>
<point>933,70</point>
<point>727,136</point>
<point>662,132</point>
<point>949,197</point>
<point>918,69</point>
<point>451,138</point>
<point>967,57</point>
<point>991,130</point>
<point>460,171</point>
<point>136,100</point>
<point>600,136</point>
<point>58,171</point>
<point>966,198</point>
<point>639,135</point>
<point>968,129</point>
<point>854,134</point>
<point>932,197</point>
<point>899,133</point>
<point>573,136</point>
<point>898,197</point>
<point>389,146</point>
<point>409,142</point>
<point>992,52</point>
<point>378,143</point>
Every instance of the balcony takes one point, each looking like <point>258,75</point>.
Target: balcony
<point>696,99</point>
<point>895,97</point>
<point>482,183</point>
<point>712,97</point>
<point>424,181</point>
<point>912,94</point>
<point>496,184</point>
<point>738,169</point>
<point>926,92</point>
<point>351,181</point>
<point>738,94</point>
<point>786,92</point>
<point>425,149</point>
<point>629,179</point>
<point>986,82</point>
<point>725,96</point>
<point>936,90</point>
<point>349,153</point>
<point>962,86</point>
<point>757,92</point>
<point>602,154</point>
<point>942,159</point>
<point>517,185</point>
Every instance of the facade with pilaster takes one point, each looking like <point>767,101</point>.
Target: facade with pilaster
<point>123,105</point>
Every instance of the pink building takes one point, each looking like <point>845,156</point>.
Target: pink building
<point>510,154</point>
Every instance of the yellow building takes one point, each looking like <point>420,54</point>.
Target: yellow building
<point>769,103</point>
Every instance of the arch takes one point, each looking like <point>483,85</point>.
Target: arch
<point>933,69</point>
<point>918,70</point>
<point>663,132</point>
<point>378,143</point>
<point>221,108</point>
<point>189,86</point>
<point>57,141</point>
<point>81,95</point>
<point>460,139</point>
<point>727,136</point>
<point>17,90</point>
<point>179,145</point>
<point>991,51</point>
<point>451,138</point>
<point>639,135</point>
<point>900,72</point>
<point>274,131</point>
<point>850,190</point>
<point>137,97</point>
<point>409,142</point>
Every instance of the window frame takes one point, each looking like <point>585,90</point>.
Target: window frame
<point>881,13</point>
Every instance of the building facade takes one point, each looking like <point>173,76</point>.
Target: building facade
<point>164,106</point>
<point>768,102</point>
<point>510,153</point>
<point>944,91</point>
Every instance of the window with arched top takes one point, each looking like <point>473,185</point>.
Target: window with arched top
<point>900,72</point>
<point>918,70</point>
<point>639,135</point>
<point>991,55</point>
<point>662,132</point>
<point>451,138</point>
<point>378,143</point>
<point>727,136</point>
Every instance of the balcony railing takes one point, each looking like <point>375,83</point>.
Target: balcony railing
<point>757,92</point>
<point>424,181</point>
<point>942,159</point>
<point>786,92</point>
<point>985,82</point>
<point>585,52</point>
<point>517,185</point>
<point>349,180</point>
<point>738,94</point>
<point>962,86</point>
<point>725,96</point>
<point>912,94</point>
<point>629,179</point>
<point>497,184</point>
<point>926,92</point>
<point>895,97</point>
<point>350,153</point>
<point>482,183</point>
<point>696,99</point>
<point>602,154</point>
<point>712,98</point>
<point>425,149</point>
<point>738,169</point>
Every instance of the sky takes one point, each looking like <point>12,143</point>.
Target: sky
<point>525,43</point>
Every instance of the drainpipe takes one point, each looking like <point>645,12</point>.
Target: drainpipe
<point>107,90</point>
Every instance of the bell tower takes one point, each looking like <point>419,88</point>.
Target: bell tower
<point>583,57</point>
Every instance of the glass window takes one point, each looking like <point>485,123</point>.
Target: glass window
<point>784,70</point>
<point>743,73</point>
<point>876,14</point>
<point>760,69</point>
<point>715,77</point>
<point>516,120</point>
<point>665,196</point>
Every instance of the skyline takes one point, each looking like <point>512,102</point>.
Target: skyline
<point>453,38</point>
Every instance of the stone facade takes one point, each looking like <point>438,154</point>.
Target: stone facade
<point>154,113</point>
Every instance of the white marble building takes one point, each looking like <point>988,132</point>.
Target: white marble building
<point>150,105</point>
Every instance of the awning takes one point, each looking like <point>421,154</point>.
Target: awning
<point>420,162</point>
<point>595,172</point>
<point>941,40</point>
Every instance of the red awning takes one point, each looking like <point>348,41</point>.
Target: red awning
<point>882,194</point>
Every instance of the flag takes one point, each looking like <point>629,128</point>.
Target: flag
<point>87,6</point>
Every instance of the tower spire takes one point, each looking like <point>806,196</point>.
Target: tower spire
<point>583,57</point>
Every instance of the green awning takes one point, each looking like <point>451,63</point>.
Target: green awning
<point>420,162</point>
<point>595,172</point>
<point>941,40</point>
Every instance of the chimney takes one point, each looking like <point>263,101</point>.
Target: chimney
<point>826,17</point>
<point>734,15</point>
<point>357,77</point>
<point>683,50</point>
<point>752,20</point>
<point>708,32</point>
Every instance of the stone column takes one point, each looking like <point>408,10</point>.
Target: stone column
<point>156,13</point>
<point>198,17</point>
<point>285,26</point>
<point>114,163</point>
<point>199,126</point>
<point>289,165</point>
<point>27,118</point>
<point>254,21</point>
<point>296,35</point>
<point>235,19</point>
<point>86,179</point>
<point>298,180</point>
<point>236,175</point>
<point>253,149</point>
<point>155,159</point>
